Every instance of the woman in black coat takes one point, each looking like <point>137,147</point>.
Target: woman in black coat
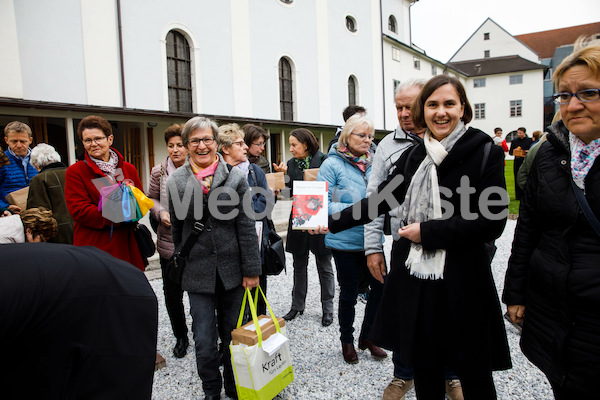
<point>553,278</point>
<point>305,149</point>
<point>440,306</point>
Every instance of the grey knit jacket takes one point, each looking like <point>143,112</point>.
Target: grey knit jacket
<point>228,247</point>
<point>389,149</point>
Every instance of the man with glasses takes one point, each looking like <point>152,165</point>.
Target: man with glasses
<point>255,138</point>
<point>18,172</point>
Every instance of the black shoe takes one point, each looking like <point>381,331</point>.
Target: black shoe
<point>180,349</point>
<point>292,314</point>
<point>327,319</point>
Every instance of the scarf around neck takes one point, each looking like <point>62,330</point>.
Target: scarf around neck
<point>108,167</point>
<point>582,158</point>
<point>244,166</point>
<point>303,164</point>
<point>423,203</point>
<point>360,162</point>
<point>205,175</point>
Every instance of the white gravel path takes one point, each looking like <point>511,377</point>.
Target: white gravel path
<point>319,369</point>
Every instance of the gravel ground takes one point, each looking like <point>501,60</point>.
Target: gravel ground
<point>319,369</point>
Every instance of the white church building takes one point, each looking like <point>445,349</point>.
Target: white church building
<point>282,64</point>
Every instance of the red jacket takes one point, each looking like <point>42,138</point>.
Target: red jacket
<point>90,227</point>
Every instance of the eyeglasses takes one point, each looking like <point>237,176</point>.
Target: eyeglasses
<point>259,144</point>
<point>583,96</point>
<point>363,136</point>
<point>239,142</point>
<point>96,140</point>
<point>207,141</point>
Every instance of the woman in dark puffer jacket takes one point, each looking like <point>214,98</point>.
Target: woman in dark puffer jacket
<point>553,277</point>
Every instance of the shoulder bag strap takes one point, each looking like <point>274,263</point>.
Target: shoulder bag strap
<point>585,207</point>
<point>198,227</point>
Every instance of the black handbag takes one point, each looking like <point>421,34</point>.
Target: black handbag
<point>274,254</point>
<point>143,237</point>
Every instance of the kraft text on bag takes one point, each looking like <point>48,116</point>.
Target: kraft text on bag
<point>262,370</point>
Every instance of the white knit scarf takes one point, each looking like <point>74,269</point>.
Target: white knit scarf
<point>423,203</point>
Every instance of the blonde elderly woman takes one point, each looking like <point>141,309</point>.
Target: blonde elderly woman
<point>47,189</point>
<point>346,170</point>
<point>234,149</point>
<point>224,260</point>
<point>552,283</point>
<point>32,225</point>
<point>177,154</point>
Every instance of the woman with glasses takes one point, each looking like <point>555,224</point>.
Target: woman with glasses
<point>552,283</point>
<point>224,259</point>
<point>347,171</point>
<point>233,148</point>
<point>256,138</point>
<point>306,155</point>
<point>102,166</point>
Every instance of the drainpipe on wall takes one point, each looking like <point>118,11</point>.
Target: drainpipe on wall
<point>382,61</point>
<point>124,99</point>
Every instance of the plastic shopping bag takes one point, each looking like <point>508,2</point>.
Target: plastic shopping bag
<point>263,370</point>
<point>143,201</point>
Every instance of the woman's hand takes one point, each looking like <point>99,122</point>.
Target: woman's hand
<point>412,232</point>
<point>376,264</point>
<point>15,209</point>
<point>282,167</point>
<point>321,230</point>
<point>250,282</point>
<point>516,312</point>
<point>165,218</point>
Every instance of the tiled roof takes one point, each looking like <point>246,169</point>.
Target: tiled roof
<point>544,43</point>
<point>495,65</point>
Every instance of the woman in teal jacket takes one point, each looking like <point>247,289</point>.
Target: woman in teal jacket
<point>347,171</point>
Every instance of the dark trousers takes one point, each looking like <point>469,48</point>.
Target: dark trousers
<point>174,302</point>
<point>348,264</point>
<point>227,305</point>
<point>326,279</point>
<point>403,372</point>
<point>430,384</point>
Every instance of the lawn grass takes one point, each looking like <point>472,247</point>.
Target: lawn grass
<point>513,206</point>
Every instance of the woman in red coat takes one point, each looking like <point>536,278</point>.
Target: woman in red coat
<point>102,166</point>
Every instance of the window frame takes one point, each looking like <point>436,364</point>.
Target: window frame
<point>350,20</point>
<point>518,79</point>
<point>481,82</point>
<point>486,54</point>
<point>479,111</point>
<point>486,36</point>
<point>286,89</point>
<point>175,82</point>
<point>352,92</point>
<point>516,108</point>
<point>392,24</point>
<point>417,63</point>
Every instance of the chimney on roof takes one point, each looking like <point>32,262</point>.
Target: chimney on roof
<point>477,68</point>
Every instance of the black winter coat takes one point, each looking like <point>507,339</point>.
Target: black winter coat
<point>455,321</point>
<point>554,269</point>
<point>299,242</point>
